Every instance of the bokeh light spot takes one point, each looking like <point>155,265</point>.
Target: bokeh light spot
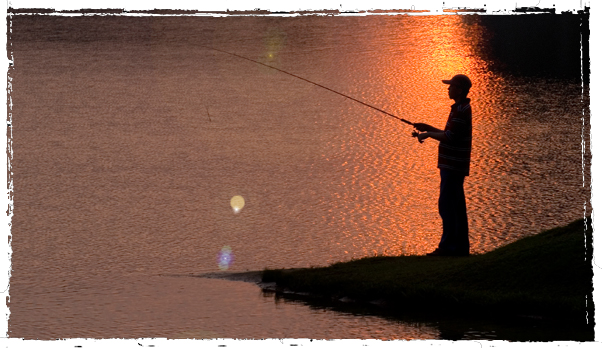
<point>237,203</point>
<point>225,258</point>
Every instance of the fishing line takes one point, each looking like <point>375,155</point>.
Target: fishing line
<point>317,84</point>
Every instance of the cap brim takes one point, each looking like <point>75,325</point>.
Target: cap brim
<point>447,82</point>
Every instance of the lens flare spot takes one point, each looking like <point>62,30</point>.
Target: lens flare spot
<point>225,258</point>
<point>237,203</point>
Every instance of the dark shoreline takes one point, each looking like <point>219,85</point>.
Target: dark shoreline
<point>553,276</point>
<point>543,277</point>
<point>557,315</point>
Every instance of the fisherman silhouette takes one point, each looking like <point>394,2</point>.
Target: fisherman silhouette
<point>455,143</point>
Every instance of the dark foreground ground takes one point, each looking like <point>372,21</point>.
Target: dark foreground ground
<point>544,277</point>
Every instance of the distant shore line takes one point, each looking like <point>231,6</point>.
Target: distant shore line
<point>267,12</point>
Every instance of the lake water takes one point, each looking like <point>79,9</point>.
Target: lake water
<point>130,137</point>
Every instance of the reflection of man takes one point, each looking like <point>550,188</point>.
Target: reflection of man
<point>455,143</point>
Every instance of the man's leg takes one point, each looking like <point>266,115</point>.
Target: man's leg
<point>452,209</point>
<point>446,211</point>
<point>461,230</point>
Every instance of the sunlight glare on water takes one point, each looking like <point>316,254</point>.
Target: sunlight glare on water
<point>396,176</point>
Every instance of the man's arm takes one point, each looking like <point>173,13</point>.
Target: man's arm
<point>437,135</point>
<point>423,127</point>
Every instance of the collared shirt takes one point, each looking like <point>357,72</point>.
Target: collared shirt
<point>454,153</point>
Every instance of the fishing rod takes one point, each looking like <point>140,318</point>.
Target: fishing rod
<point>317,84</point>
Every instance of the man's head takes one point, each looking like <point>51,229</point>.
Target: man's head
<point>459,86</point>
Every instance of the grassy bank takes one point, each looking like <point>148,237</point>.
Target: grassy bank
<point>547,275</point>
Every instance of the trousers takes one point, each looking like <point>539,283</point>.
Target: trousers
<point>452,209</point>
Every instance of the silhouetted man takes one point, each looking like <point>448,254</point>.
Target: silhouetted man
<point>455,143</point>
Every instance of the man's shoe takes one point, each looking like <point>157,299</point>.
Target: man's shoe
<point>437,252</point>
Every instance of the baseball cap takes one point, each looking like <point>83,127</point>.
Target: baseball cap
<point>461,81</point>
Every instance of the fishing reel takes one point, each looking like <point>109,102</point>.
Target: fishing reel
<point>415,135</point>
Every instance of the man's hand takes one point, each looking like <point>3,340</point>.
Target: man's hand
<point>420,136</point>
<point>422,127</point>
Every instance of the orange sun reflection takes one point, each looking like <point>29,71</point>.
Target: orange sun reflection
<point>407,190</point>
